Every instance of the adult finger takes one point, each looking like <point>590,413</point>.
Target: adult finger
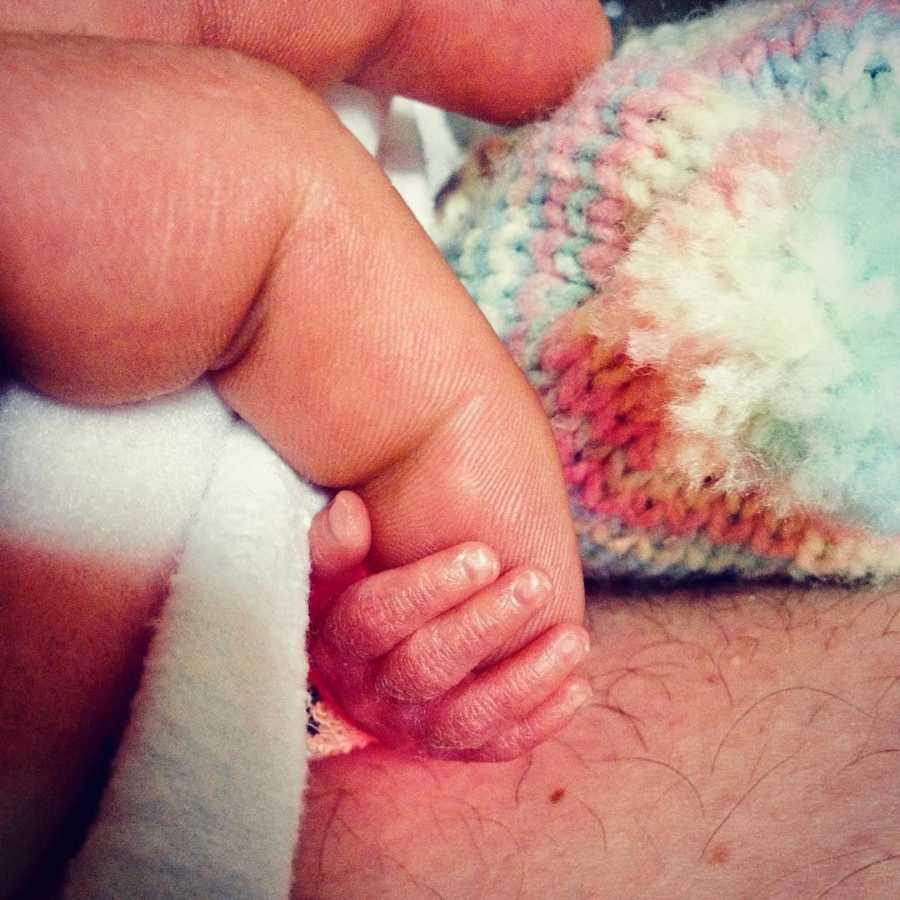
<point>489,58</point>
<point>144,191</point>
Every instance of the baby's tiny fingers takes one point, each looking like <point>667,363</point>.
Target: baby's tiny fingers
<point>509,691</point>
<point>445,650</point>
<point>375,614</point>
<point>339,536</point>
<point>542,723</point>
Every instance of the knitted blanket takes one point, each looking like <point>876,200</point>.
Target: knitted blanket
<point>696,261</point>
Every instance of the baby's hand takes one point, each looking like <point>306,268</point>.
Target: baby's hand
<point>400,650</point>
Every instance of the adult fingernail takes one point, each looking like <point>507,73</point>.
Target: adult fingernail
<point>531,588</point>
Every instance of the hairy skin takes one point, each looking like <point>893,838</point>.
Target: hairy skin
<point>742,742</point>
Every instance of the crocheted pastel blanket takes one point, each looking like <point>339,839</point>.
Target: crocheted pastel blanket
<point>696,261</point>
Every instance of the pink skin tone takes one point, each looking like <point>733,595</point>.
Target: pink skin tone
<point>233,229</point>
<point>224,204</point>
<point>403,650</point>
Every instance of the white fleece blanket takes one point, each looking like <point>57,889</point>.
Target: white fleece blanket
<point>205,798</point>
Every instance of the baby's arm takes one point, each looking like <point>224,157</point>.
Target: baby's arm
<point>402,650</point>
<point>405,395</point>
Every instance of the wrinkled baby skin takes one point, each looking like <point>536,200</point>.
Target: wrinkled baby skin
<point>402,650</point>
<point>415,404</point>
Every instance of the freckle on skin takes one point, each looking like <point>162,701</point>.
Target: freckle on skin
<point>557,795</point>
<point>719,854</point>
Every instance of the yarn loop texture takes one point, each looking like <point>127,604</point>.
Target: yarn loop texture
<point>696,261</point>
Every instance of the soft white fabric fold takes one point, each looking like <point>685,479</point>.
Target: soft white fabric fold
<point>205,797</point>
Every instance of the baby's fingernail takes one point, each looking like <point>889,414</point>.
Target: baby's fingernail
<point>339,519</point>
<point>479,564</point>
<point>573,647</point>
<point>531,588</point>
